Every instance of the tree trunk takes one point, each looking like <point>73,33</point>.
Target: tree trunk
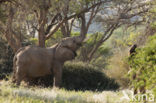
<point>41,37</point>
<point>12,38</point>
<point>15,46</point>
<point>42,22</point>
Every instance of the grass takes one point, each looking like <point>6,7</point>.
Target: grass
<point>22,94</point>
<point>11,94</point>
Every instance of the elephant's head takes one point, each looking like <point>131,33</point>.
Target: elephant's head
<point>66,49</point>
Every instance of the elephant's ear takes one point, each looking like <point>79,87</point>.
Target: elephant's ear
<point>57,50</point>
<point>74,40</point>
<point>66,42</point>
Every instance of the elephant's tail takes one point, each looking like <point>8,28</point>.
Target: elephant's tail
<point>14,69</point>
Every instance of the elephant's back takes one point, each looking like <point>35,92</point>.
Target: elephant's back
<point>35,61</point>
<point>33,53</point>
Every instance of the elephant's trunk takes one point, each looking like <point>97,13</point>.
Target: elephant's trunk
<point>79,39</point>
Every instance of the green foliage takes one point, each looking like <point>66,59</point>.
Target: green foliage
<point>102,54</point>
<point>93,38</point>
<point>126,37</point>
<point>132,38</point>
<point>81,76</point>
<point>120,44</point>
<point>58,35</point>
<point>33,41</point>
<point>126,40</point>
<point>152,14</point>
<point>75,33</point>
<point>143,64</point>
<point>101,57</point>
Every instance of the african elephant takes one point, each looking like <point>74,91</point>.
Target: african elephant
<point>30,61</point>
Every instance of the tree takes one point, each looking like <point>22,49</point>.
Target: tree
<point>42,17</point>
<point>116,14</point>
<point>46,17</point>
<point>51,18</point>
<point>13,37</point>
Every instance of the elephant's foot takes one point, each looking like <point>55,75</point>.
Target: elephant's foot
<point>13,80</point>
<point>57,77</point>
<point>55,88</point>
<point>19,79</point>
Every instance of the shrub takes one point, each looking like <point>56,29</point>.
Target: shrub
<point>82,76</point>
<point>86,77</point>
<point>143,64</point>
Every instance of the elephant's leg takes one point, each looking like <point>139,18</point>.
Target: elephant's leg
<point>29,81</point>
<point>20,75</point>
<point>57,72</point>
<point>14,77</point>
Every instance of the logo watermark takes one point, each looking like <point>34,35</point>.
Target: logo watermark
<point>130,96</point>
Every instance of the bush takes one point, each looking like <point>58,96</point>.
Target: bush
<point>86,77</point>
<point>81,76</point>
<point>143,64</point>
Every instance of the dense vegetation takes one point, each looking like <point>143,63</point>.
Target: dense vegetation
<point>143,65</point>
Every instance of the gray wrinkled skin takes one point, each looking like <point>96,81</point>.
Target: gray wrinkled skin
<point>30,61</point>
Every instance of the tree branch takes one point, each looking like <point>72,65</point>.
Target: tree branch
<point>52,23</point>
<point>73,16</point>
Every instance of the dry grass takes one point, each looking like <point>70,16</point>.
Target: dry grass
<point>10,94</point>
<point>119,68</point>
